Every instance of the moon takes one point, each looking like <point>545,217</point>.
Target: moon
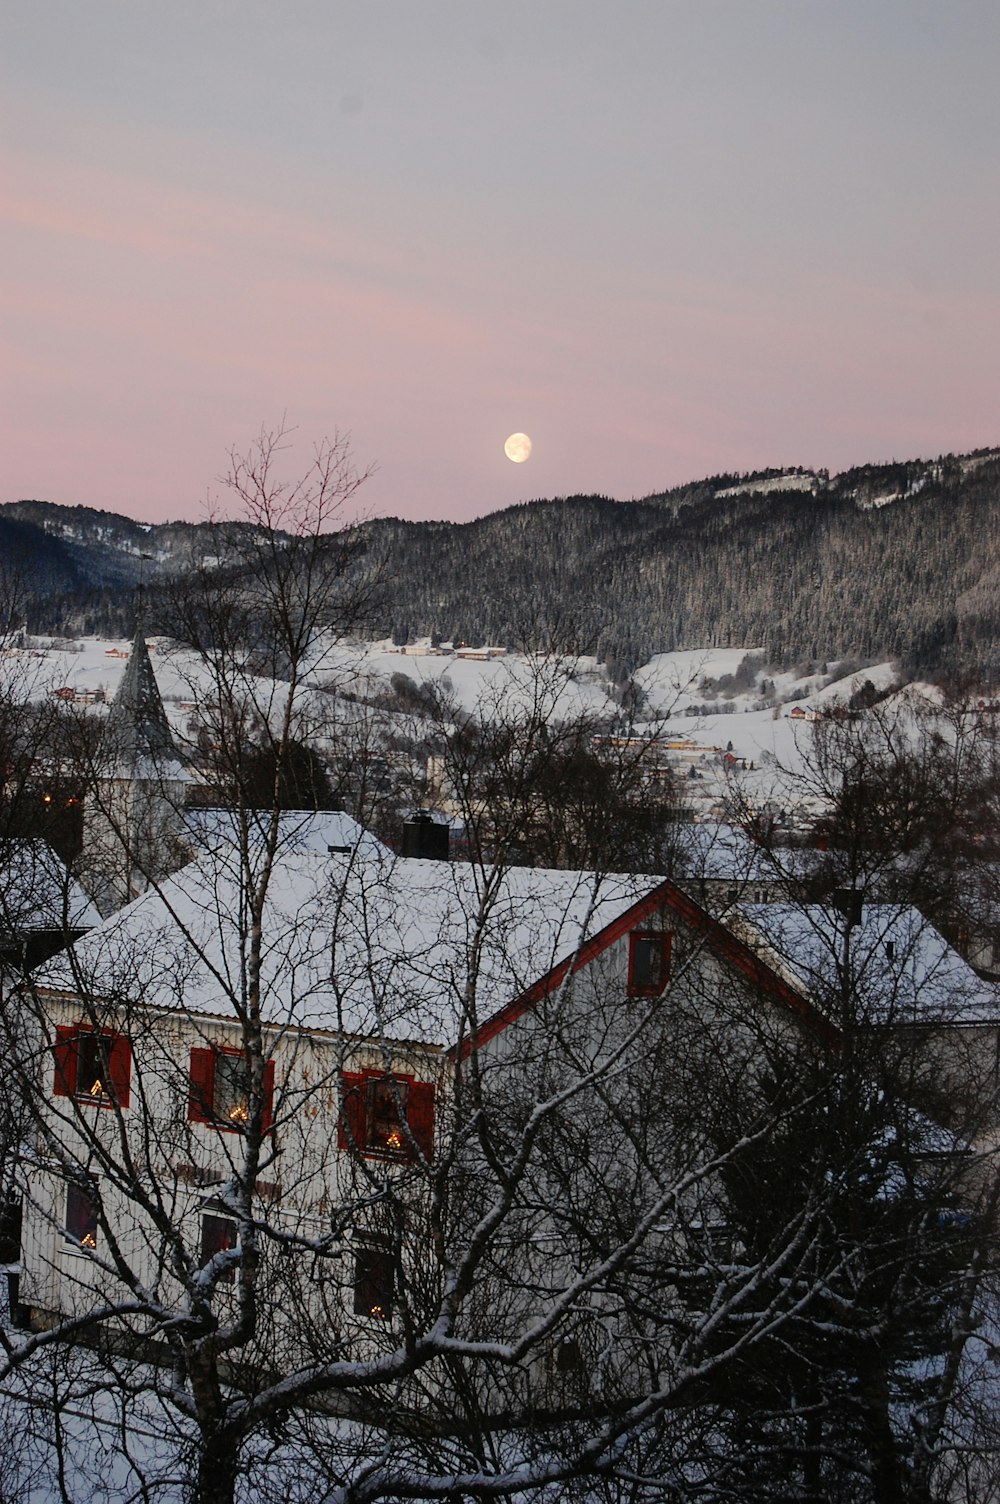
<point>518,448</point>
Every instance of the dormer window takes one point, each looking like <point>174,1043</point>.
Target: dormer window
<point>648,962</point>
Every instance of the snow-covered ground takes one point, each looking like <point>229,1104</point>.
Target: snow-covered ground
<point>472,682</point>
<point>769,738</point>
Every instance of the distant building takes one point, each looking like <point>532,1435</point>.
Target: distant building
<point>133,820</point>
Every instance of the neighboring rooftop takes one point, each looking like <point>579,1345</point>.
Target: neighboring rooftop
<point>892,966</point>
<point>37,892</point>
<point>323,832</point>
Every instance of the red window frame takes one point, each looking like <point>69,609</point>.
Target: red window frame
<point>640,983</point>
<point>355,1127</point>
<point>70,1040</point>
<point>201,1090</point>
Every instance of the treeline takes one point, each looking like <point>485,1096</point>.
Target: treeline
<point>798,576</point>
<point>896,561</point>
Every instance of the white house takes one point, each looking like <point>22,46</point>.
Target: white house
<point>399,1005</point>
<point>371,968</point>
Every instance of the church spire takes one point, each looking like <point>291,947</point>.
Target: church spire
<point>137,741</point>
<point>133,822</point>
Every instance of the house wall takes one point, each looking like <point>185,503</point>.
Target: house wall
<point>133,835</point>
<point>654,1085</point>
<point>306,1174</point>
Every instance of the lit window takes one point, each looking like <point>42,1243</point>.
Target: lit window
<point>231,1097</point>
<point>93,1073</point>
<point>648,962</point>
<point>219,1089</point>
<point>93,1065</point>
<point>374,1283</point>
<point>387,1116</point>
<point>81,1218</point>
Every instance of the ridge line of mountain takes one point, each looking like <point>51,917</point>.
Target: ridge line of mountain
<point>898,560</point>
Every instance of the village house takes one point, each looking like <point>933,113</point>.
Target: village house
<point>373,968</point>
<point>379,974</point>
<point>276,1052</point>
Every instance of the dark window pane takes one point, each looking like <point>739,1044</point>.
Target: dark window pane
<point>647,961</point>
<point>218,1234</point>
<point>93,1079</point>
<point>374,1283</point>
<point>231,1102</point>
<point>81,1218</point>
<point>386,1115</point>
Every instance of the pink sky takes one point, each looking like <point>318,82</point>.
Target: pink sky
<point>664,242</point>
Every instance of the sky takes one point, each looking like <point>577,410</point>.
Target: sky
<point>664,238</point>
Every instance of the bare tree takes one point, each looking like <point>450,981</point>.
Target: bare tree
<point>364,1178</point>
<point>536,776</point>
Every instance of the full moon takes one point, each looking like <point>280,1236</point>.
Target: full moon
<point>518,448</point>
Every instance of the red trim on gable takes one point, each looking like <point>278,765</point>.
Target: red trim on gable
<point>666,895</point>
<point>554,978</point>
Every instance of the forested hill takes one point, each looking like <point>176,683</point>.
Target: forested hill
<point>897,561</point>
<point>892,561</point>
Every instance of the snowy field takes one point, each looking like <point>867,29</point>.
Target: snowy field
<point>771,738</point>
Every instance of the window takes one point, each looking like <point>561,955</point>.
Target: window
<point>219,1091</point>
<point>93,1065</point>
<point>648,962</point>
<point>81,1218</point>
<point>387,1116</point>
<point>374,1282</point>
<point>218,1235</point>
<point>567,1357</point>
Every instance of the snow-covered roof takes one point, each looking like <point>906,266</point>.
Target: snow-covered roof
<point>38,893</point>
<point>724,853</point>
<point>367,943</point>
<point>320,831</point>
<point>891,967</point>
